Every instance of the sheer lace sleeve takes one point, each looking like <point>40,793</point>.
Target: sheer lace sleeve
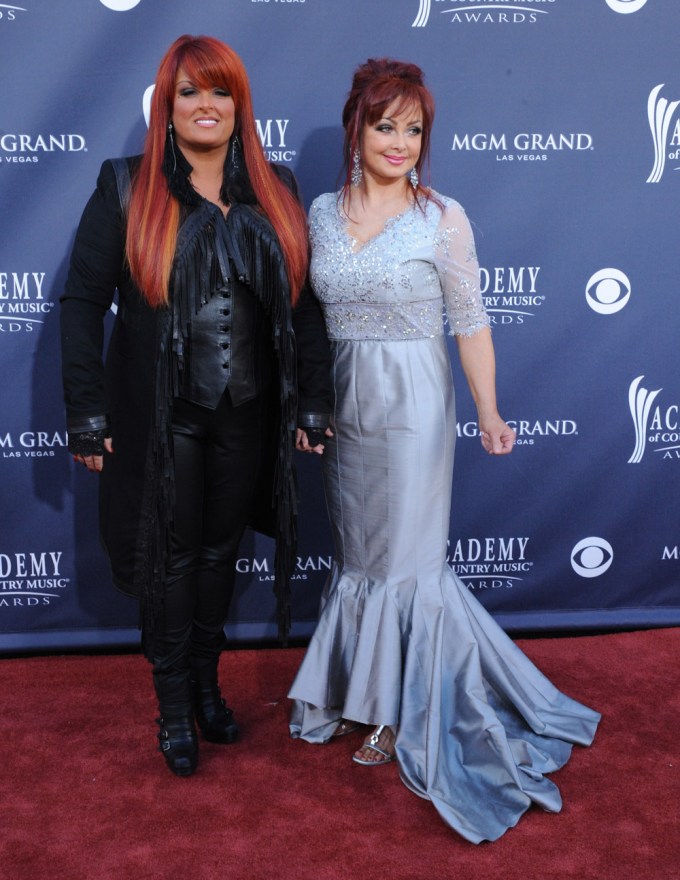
<point>458,270</point>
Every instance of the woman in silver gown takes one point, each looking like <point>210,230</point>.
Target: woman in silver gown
<point>401,644</point>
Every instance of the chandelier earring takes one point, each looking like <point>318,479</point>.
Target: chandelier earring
<point>357,173</point>
<point>413,177</point>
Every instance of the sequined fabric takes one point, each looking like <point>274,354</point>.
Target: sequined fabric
<point>398,284</point>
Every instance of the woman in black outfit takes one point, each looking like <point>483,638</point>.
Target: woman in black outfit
<point>218,354</point>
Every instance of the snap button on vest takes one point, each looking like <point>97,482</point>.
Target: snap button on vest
<point>247,370</point>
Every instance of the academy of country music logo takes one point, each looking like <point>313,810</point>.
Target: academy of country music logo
<point>31,579</point>
<point>272,133</point>
<point>608,291</point>
<point>31,444</point>
<point>510,293</point>
<point>525,146</point>
<point>23,306</point>
<point>592,556</point>
<point>664,123</point>
<point>9,12</point>
<point>490,563</point>
<point>657,425</point>
<point>27,148</point>
<point>529,432</point>
<point>483,11</point>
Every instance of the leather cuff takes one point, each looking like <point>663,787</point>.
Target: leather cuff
<point>313,420</point>
<point>80,424</point>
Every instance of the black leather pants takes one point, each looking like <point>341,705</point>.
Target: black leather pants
<point>217,458</point>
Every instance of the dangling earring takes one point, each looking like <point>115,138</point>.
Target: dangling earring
<point>178,181</point>
<point>357,173</point>
<point>172,146</point>
<point>413,177</point>
<point>235,151</point>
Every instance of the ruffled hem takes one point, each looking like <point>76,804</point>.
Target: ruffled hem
<point>478,725</point>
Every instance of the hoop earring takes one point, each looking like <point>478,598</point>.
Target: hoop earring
<point>171,129</point>
<point>357,173</point>
<point>413,177</point>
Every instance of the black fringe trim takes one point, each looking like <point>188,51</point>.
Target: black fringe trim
<point>207,248</point>
<point>159,496</point>
<point>262,268</point>
<point>236,186</point>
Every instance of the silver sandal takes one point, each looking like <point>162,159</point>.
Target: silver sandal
<point>345,727</point>
<point>372,743</point>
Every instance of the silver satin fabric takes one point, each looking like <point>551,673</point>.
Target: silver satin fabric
<point>400,640</point>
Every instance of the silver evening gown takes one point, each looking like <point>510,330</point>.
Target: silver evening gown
<point>400,640</point>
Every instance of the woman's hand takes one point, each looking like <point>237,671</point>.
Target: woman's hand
<point>95,462</point>
<point>479,364</point>
<point>497,437</point>
<point>302,442</point>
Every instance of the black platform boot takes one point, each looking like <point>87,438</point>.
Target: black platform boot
<point>214,717</point>
<point>178,741</point>
<point>177,738</point>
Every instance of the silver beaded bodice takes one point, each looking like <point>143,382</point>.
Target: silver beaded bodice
<point>398,284</point>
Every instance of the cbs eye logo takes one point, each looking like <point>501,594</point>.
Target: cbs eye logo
<point>591,557</point>
<point>120,5</point>
<point>625,6</point>
<point>607,291</point>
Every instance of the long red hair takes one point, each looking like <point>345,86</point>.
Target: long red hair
<point>377,84</point>
<point>153,216</point>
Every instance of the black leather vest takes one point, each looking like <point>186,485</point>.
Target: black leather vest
<point>229,347</point>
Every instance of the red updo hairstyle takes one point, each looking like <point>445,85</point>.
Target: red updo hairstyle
<point>153,216</point>
<point>376,85</point>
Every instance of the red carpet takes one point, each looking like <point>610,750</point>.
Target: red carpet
<point>85,795</point>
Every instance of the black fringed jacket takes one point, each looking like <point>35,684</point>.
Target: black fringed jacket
<point>132,393</point>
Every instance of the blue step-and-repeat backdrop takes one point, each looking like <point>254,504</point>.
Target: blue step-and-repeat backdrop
<point>558,129</point>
